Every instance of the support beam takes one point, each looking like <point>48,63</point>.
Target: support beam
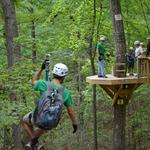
<point>107,90</point>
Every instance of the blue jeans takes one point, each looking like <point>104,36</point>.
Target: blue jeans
<point>101,68</point>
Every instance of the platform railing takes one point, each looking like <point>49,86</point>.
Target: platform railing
<point>143,66</point>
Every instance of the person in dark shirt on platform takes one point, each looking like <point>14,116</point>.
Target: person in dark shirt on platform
<point>130,56</point>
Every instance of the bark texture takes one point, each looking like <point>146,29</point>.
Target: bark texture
<point>119,37</point>
<point>11,31</point>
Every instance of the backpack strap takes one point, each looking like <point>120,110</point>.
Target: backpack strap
<point>60,91</point>
<point>49,86</point>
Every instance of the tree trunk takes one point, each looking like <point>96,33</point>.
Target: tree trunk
<point>16,137</point>
<point>13,49</point>
<point>92,57</point>
<point>33,45</point>
<point>119,127</point>
<point>6,138</point>
<point>11,31</point>
<point>94,98</point>
<point>119,38</point>
<point>119,110</point>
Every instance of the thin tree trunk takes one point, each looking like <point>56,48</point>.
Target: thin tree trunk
<point>11,31</point>
<point>99,20</point>
<point>6,141</point>
<point>92,56</point>
<point>94,96</point>
<point>16,137</point>
<point>80,100</point>
<point>33,45</point>
<point>95,118</point>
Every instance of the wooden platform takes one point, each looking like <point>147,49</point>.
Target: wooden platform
<point>111,80</point>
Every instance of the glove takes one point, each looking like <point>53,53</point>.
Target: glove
<point>44,64</point>
<point>75,127</point>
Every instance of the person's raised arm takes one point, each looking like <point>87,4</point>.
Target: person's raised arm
<point>96,50</point>
<point>37,75</point>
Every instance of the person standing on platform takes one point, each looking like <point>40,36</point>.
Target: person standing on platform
<point>100,49</point>
<point>130,56</point>
<point>142,48</point>
<point>138,51</point>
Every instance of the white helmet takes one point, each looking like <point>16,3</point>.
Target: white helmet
<point>60,70</point>
<point>137,43</point>
<point>131,48</point>
<point>141,43</point>
<point>102,38</point>
<point>148,38</point>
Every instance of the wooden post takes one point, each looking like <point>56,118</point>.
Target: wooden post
<point>119,110</point>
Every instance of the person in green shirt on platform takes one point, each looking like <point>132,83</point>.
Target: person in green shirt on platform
<point>59,72</point>
<point>100,49</point>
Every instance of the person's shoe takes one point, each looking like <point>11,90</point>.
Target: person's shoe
<point>131,74</point>
<point>102,76</point>
<point>39,147</point>
<point>33,145</point>
<point>28,146</point>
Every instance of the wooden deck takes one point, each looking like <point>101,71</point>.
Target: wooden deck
<point>112,80</point>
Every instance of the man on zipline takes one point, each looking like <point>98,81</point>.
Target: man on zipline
<point>59,72</point>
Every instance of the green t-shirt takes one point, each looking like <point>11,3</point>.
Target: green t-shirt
<point>101,49</point>
<point>42,85</point>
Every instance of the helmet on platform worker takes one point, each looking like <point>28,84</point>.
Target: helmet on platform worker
<point>137,43</point>
<point>142,44</point>
<point>60,70</point>
<point>148,39</point>
<point>131,48</point>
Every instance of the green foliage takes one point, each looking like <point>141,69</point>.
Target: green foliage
<point>15,93</point>
<point>63,29</point>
